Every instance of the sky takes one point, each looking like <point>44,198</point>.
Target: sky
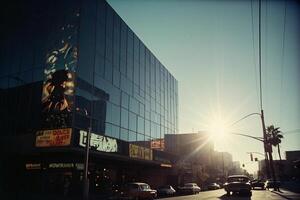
<point>211,48</point>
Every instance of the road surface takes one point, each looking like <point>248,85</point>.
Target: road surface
<point>221,195</point>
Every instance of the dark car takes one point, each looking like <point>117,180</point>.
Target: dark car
<point>272,184</point>
<point>166,190</point>
<point>238,184</point>
<point>258,184</point>
<point>189,188</point>
<point>137,191</point>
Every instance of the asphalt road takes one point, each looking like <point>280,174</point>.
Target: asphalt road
<point>221,195</point>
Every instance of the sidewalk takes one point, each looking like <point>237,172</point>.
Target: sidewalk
<point>287,194</point>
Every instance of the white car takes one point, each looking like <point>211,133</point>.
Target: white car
<point>189,188</point>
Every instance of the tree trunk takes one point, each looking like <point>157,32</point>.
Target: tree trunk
<point>273,171</point>
<point>280,173</point>
<point>279,153</point>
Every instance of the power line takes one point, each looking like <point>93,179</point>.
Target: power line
<point>266,65</point>
<point>259,53</point>
<point>253,46</point>
<point>282,60</point>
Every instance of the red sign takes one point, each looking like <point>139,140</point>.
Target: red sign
<point>53,138</point>
<point>158,144</point>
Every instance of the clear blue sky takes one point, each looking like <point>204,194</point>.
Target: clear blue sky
<point>211,47</point>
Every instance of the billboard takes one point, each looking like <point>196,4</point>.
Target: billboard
<point>53,138</point>
<point>59,74</point>
<point>136,151</point>
<point>99,142</point>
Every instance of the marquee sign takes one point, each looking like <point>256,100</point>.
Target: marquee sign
<point>99,142</point>
<point>136,151</point>
<point>53,138</point>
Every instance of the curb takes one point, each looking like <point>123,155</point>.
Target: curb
<point>287,195</point>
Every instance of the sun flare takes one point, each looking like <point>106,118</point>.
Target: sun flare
<point>219,130</point>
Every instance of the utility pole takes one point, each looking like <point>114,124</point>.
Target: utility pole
<point>86,183</point>
<point>223,166</point>
<point>265,144</point>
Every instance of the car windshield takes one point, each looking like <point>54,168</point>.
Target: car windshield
<point>238,179</point>
<point>145,187</point>
<point>188,185</point>
<point>165,187</point>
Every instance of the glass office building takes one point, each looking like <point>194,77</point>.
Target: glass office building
<point>70,66</point>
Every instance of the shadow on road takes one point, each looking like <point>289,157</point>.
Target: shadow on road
<point>234,197</point>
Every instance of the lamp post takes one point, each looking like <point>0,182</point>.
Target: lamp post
<point>86,183</point>
<point>267,148</point>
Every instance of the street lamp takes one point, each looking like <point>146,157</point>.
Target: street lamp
<point>86,183</point>
<point>267,148</point>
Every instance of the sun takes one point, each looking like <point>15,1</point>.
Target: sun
<point>219,131</point>
<point>218,128</point>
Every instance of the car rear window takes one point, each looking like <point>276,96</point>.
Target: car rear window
<point>238,179</point>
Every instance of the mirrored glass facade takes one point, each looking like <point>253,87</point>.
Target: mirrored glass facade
<point>121,89</point>
<point>141,93</point>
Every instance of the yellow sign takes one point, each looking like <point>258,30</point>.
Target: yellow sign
<point>53,138</point>
<point>136,151</point>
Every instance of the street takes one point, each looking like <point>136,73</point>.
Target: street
<point>221,195</point>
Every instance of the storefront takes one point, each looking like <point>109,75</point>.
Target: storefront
<point>58,170</point>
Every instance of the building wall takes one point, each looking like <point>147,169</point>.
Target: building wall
<point>191,146</point>
<point>119,83</point>
<point>29,33</point>
<point>75,64</point>
<point>195,156</point>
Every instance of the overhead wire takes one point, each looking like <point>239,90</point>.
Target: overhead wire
<point>266,52</point>
<point>259,53</point>
<point>254,54</point>
<point>282,62</point>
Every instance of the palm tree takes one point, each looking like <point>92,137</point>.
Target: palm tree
<point>274,137</point>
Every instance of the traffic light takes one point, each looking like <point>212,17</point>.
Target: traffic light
<point>251,156</point>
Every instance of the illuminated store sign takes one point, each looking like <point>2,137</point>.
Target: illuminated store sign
<point>136,151</point>
<point>61,165</point>
<point>30,166</point>
<point>99,142</point>
<point>158,144</point>
<point>78,166</point>
<point>53,138</point>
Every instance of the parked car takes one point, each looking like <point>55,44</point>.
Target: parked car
<point>271,184</point>
<point>213,186</point>
<point>258,184</point>
<point>138,191</point>
<point>189,188</point>
<point>166,190</point>
<point>238,184</point>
